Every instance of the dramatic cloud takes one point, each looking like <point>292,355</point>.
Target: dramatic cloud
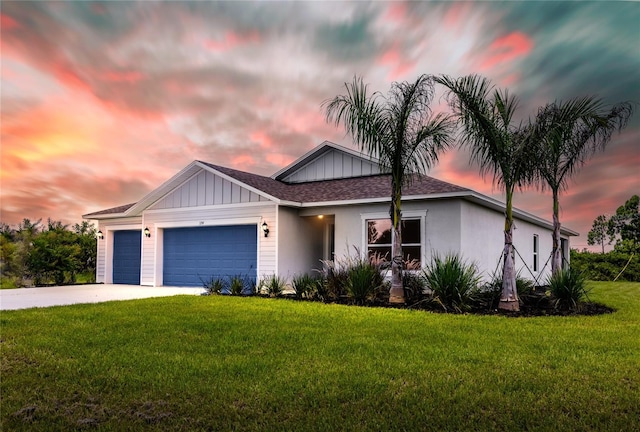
<point>103,101</point>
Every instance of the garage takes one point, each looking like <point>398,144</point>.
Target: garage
<point>126,257</point>
<point>196,254</point>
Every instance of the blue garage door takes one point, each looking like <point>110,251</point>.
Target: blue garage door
<point>126,257</point>
<point>194,255</point>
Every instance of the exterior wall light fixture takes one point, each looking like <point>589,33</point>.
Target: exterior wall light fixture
<point>147,233</point>
<point>99,235</point>
<point>265,229</point>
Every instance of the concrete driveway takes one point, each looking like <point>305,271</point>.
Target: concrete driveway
<point>24,298</point>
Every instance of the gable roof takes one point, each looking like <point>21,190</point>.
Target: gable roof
<point>344,189</point>
<point>111,211</point>
<point>317,152</point>
<point>341,191</point>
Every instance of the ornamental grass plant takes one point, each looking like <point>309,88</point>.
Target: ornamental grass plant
<point>452,281</point>
<point>567,289</point>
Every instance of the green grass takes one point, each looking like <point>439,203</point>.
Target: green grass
<point>230,363</point>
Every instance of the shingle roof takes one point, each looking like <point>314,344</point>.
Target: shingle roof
<point>114,210</point>
<point>347,189</point>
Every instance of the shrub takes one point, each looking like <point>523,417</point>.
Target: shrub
<point>335,275</point>
<point>214,285</point>
<point>489,294</point>
<point>305,286</point>
<point>272,285</point>
<point>355,277</point>
<point>605,267</point>
<point>321,292</point>
<point>414,287</point>
<point>236,285</point>
<point>567,288</point>
<point>364,281</point>
<point>453,282</point>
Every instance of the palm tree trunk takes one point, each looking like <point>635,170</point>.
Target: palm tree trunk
<point>509,298</point>
<point>556,252</point>
<point>396,295</point>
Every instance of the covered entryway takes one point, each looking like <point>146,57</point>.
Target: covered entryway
<point>195,255</point>
<point>126,257</point>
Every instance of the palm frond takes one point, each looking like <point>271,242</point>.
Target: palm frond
<point>568,133</point>
<point>485,117</point>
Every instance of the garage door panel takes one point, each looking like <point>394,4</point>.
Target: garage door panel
<point>126,257</point>
<point>194,255</point>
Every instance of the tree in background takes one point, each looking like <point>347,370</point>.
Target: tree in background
<point>598,233</point>
<point>500,147</point>
<point>567,134</point>
<point>35,254</point>
<point>624,227</point>
<point>86,234</point>
<point>402,133</point>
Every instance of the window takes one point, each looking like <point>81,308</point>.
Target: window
<point>535,252</point>
<point>379,238</point>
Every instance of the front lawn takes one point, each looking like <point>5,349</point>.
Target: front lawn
<point>231,363</point>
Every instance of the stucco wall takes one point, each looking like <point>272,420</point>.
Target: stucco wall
<point>300,242</point>
<point>483,242</point>
<point>441,224</point>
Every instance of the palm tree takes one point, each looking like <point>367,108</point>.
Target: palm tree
<point>567,134</point>
<point>401,131</point>
<point>485,117</point>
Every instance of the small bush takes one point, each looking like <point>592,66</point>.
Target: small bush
<point>364,281</point>
<point>305,286</point>
<point>335,275</point>
<point>489,293</point>
<point>567,288</point>
<point>321,292</point>
<point>454,283</point>
<point>607,266</point>
<point>272,285</point>
<point>214,286</point>
<point>236,285</point>
<point>360,279</point>
<point>414,287</point>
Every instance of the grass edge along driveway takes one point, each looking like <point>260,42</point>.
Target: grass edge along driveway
<point>229,363</point>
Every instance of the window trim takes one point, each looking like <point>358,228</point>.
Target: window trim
<point>411,214</point>
<point>536,252</point>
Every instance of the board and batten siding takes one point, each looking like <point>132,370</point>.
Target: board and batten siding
<point>104,256</point>
<point>333,165</point>
<point>231,214</point>
<point>206,188</point>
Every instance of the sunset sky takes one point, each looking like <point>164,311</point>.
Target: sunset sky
<point>103,101</point>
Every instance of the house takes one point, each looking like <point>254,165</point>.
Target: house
<point>211,221</point>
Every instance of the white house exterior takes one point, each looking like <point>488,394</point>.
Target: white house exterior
<point>207,221</point>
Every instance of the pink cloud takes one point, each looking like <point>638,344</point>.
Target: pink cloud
<point>396,12</point>
<point>456,14</point>
<point>231,40</point>
<point>125,76</point>
<point>8,23</point>
<point>399,65</point>
<point>279,159</point>
<point>262,139</point>
<point>507,48</point>
<point>243,161</point>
